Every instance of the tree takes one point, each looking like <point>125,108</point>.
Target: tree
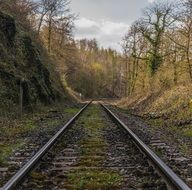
<point>22,10</point>
<point>184,28</point>
<point>43,9</point>
<point>55,14</point>
<point>134,47</point>
<point>126,47</point>
<point>156,20</point>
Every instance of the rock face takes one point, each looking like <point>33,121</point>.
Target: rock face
<point>21,59</point>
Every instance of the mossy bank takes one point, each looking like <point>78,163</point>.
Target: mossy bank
<point>23,61</point>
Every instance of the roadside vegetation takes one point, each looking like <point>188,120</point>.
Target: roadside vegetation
<point>17,133</point>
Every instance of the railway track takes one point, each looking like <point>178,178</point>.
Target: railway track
<point>95,150</point>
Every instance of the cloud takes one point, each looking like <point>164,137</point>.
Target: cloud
<point>108,27</point>
<point>151,1</point>
<point>107,33</point>
<point>84,23</point>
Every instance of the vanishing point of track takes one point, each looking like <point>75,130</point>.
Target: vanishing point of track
<point>118,157</point>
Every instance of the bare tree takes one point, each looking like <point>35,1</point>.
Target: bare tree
<point>134,48</point>
<point>55,14</point>
<point>184,28</point>
<point>23,10</point>
<point>127,71</point>
<point>43,9</point>
<point>156,20</point>
<point>58,8</point>
<point>64,29</point>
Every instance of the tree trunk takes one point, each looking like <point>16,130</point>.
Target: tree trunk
<point>175,79</point>
<point>40,23</point>
<point>188,54</point>
<point>189,65</point>
<point>49,34</point>
<point>135,70</point>
<point>126,77</point>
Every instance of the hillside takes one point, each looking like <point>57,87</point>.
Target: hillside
<point>24,62</point>
<point>173,103</point>
<point>23,59</point>
<point>168,112</point>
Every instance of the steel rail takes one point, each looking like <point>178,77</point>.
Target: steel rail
<point>175,181</point>
<point>21,174</point>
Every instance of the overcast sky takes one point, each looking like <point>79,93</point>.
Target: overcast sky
<point>106,20</point>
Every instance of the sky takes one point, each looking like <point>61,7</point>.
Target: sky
<point>106,20</point>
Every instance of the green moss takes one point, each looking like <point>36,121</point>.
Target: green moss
<point>94,179</point>
<point>92,154</point>
<point>29,125</point>
<point>185,149</point>
<point>6,150</point>
<point>188,132</point>
<point>156,122</point>
<point>71,110</point>
<point>174,129</point>
<point>88,161</point>
<point>12,138</point>
<point>53,122</point>
<point>124,110</point>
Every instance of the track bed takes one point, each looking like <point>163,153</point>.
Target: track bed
<point>94,153</point>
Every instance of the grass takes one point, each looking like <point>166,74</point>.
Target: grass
<point>188,132</point>
<point>185,149</point>
<point>18,129</point>
<point>92,154</point>
<point>6,150</point>
<point>13,131</point>
<point>159,152</point>
<point>71,110</point>
<point>28,125</point>
<point>94,179</point>
<point>12,138</point>
<point>155,122</point>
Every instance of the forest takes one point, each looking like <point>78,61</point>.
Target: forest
<point>156,50</point>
